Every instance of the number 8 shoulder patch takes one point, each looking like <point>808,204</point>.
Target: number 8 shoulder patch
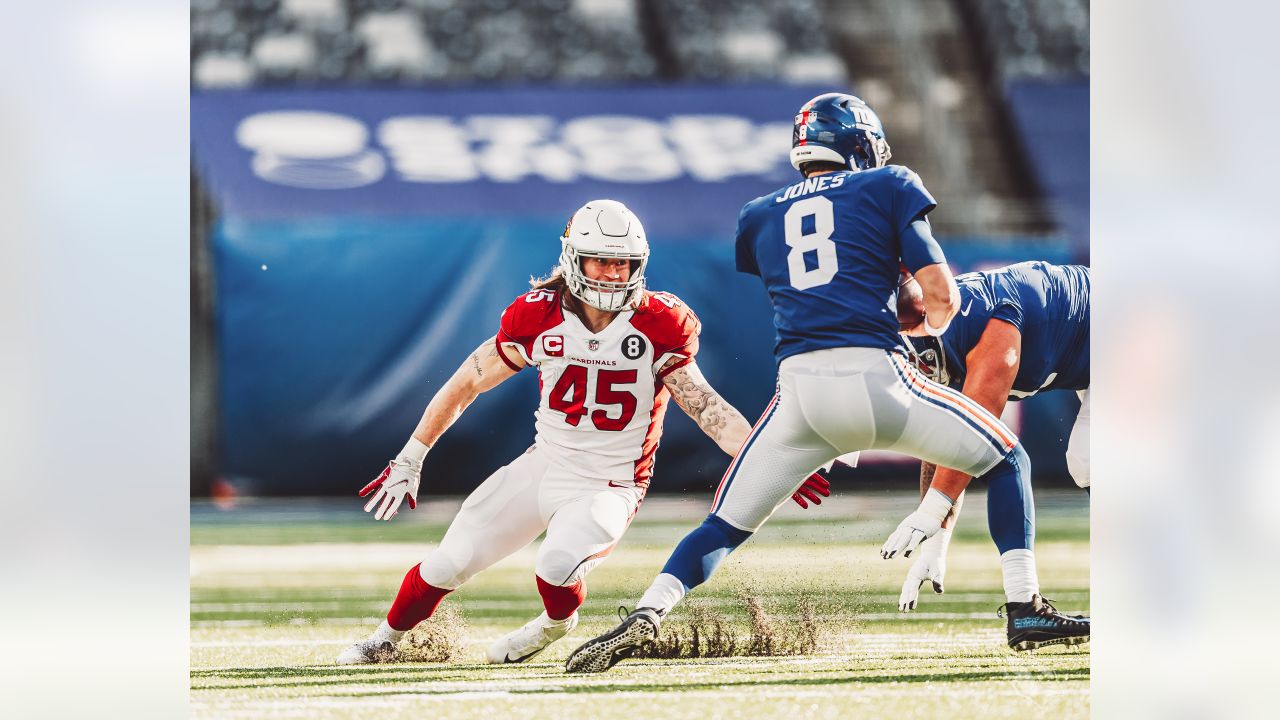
<point>633,346</point>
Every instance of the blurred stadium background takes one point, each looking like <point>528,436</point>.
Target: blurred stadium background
<point>374,180</point>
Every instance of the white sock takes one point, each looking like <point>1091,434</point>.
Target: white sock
<point>386,632</point>
<point>1020,581</point>
<point>664,594</point>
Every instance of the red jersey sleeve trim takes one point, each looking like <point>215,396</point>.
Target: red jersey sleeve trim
<point>527,317</point>
<point>669,324</point>
<point>497,343</point>
<point>674,366</point>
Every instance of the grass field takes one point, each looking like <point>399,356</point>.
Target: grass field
<point>279,588</point>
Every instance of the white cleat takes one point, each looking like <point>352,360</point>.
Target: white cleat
<point>368,651</point>
<point>531,639</point>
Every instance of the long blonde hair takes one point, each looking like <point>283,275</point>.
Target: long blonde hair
<point>556,282</point>
<point>553,280</point>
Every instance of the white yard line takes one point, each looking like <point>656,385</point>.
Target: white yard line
<point>896,640</point>
<point>273,605</point>
<point>335,621</point>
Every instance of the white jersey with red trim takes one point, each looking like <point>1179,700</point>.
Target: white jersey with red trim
<point>602,397</point>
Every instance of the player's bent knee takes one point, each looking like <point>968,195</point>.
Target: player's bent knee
<point>1019,455</point>
<point>1016,464</point>
<point>742,522</point>
<point>733,532</point>
<point>701,551</point>
<point>443,570</point>
<point>560,567</point>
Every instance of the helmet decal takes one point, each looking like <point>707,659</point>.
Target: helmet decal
<point>841,129</point>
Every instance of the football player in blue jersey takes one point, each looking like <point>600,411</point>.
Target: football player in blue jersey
<point>829,249</point>
<point>1021,330</point>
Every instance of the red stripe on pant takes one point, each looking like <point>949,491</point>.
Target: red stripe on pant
<point>416,601</point>
<point>561,601</point>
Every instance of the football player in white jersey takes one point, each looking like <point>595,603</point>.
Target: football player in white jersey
<point>609,354</point>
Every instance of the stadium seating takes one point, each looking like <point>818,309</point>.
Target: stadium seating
<point>251,42</point>
<point>238,43</point>
<point>1037,38</point>
<point>937,70</point>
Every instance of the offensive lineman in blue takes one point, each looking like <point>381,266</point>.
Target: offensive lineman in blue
<point>1021,330</point>
<point>829,250</point>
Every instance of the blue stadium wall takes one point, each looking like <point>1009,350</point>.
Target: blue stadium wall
<point>1052,119</point>
<point>368,241</point>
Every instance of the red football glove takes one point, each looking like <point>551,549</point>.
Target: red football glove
<point>814,486</point>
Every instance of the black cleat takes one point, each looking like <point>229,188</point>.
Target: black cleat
<point>603,652</point>
<point>1037,623</point>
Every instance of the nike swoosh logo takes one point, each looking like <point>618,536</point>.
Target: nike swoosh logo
<point>509,659</point>
<point>965,311</point>
<point>613,484</point>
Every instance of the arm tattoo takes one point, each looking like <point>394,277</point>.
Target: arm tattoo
<point>927,469</point>
<point>701,403</point>
<point>475,363</point>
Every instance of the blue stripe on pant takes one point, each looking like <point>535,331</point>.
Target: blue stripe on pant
<point>953,405</point>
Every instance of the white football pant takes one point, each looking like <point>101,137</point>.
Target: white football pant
<point>584,518</point>
<point>1078,444</point>
<point>836,401</point>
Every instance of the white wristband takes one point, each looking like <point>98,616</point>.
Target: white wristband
<point>415,450</point>
<point>935,503</point>
<point>936,332</point>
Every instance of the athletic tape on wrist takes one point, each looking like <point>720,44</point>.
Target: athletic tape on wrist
<point>936,504</point>
<point>414,451</point>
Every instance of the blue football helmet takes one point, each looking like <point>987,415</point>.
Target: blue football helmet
<point>929,355</point>
<point>839,128</point>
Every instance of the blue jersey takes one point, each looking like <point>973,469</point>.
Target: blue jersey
<point>829,249</point>
<point>1049,304</point>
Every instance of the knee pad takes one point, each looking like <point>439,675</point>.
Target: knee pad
<point>561,567</point>
<point>445,570</point>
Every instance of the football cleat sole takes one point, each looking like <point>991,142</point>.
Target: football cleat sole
<point>602,653</point>
<point>1037,644</point>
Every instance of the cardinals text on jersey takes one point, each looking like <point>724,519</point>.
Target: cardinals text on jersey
<point>602,397</point>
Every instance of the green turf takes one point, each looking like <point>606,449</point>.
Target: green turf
<point>278,589</point>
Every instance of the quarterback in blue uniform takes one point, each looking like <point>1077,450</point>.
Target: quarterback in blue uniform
<point>1021,330</point>
<point>829,249</point>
